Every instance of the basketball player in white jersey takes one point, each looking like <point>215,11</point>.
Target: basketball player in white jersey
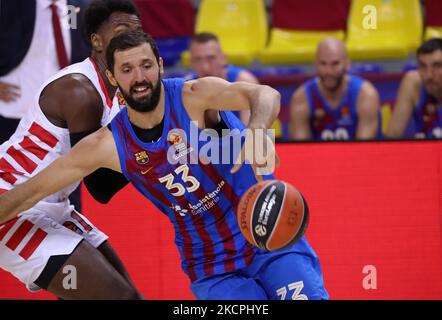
<point>36,246</point>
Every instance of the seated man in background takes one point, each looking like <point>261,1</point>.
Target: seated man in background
<point>334,105</point>
<point>207,59</point>
<point>420,96</point>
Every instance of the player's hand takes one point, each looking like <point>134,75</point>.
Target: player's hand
<point>9,92</point>
<point>259,151</point>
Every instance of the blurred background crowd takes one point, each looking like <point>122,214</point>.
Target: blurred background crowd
<point>346,69</point>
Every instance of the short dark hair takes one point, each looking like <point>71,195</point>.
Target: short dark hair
<point>100,10</point>
<point>204,37</point>
<point>430,46</point>
<point>128,40</point>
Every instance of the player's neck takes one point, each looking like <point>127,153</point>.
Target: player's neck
<point>438,98</point>
<point>100,62</point>
<point>334,96</point>
<point>148,120</point>
<point>224,73</point>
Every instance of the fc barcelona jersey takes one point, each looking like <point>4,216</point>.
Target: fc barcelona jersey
<point>199,197</point>
<point>427,116</point>
<point>328,123</point>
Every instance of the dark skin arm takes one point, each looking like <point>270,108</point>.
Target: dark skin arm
<point>72,102</point>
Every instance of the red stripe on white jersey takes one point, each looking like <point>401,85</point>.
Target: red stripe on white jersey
<point>30,146</point>
<point>6,227</point>
<point>22,159</point>
<point>9,178</point>
<point>42,134</point>
<point>6,167</point>
<point>3,191</point>
<point>33,243</point>
<point>102,85</point>
<point>19,235</point>
<point>83,223</point>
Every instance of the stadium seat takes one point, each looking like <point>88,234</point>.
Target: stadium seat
<point>241,26</point>
<point>379,29</point>
<point>433,27</point>
<point>291,46</point>
<point>170,23</point>
<point>298,27</point>
<point>433,32</point>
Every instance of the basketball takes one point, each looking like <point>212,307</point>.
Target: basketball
<point>272,215</point>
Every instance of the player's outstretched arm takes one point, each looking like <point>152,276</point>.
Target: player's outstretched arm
<point>94,151</point>
<point>264,102</point>
<point>215,93</point>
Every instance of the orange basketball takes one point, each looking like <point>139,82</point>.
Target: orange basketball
<point>272,215</point>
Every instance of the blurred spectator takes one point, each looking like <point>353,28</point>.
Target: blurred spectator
<point>38,38</point>
<point>207,59</point>
<point>420,96</point>
<point>334,105</point>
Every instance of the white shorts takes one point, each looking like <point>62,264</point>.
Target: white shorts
<point>48,229</point>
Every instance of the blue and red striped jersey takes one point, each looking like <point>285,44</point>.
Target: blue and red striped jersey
<point>427,116</point>
<point>186,174</point>
<point>333,123</point>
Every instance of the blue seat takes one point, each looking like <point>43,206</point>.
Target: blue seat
<point>277,71</point>
<point>171,49</point>
<point>361,68</point>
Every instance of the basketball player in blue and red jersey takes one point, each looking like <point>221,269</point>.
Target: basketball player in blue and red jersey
<point>208,60</point>
<point>420,96</point>
<point>334,105</point>
<point>149,142</point>
<point>36,246</point>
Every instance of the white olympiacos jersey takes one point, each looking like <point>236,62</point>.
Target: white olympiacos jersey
<point>37,142</point>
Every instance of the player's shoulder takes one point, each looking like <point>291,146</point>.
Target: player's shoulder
<point>368,89</point>
<point>299,94</point>
<point>411,84</point>
<point>247,76</point>
<point>202,85</point>
<point>73,88</point>
<point>412,78</point>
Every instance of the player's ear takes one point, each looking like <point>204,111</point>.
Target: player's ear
<point>111,78</point>
<point>97,43</point>
<point>224,57</point>
<point>347,64</point>
<point>161,64</point>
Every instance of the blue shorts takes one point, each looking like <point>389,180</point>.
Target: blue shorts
<point>288,274</point>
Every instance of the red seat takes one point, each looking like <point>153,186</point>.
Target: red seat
<point>318,15</point>
<point>170,23</point>
<point>433,27</point>
<point>298,26</point>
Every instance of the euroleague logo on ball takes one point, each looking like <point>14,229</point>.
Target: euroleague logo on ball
<point>260,230</point>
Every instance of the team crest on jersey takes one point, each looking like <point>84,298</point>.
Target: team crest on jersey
<point>141,157</point>
<point>320,114</point>
<point>431,109</point>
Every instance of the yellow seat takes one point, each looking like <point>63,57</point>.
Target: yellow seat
<point>294,46</point>
<point>433,32</point>
<point>383,29</point>
<point>241,26</point>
